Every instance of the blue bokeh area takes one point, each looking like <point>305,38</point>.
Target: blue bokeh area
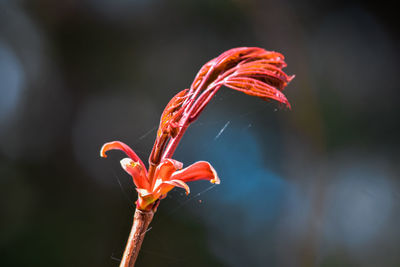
<point>245,181</point>
<point>12,78</point>
<point>248,203</point>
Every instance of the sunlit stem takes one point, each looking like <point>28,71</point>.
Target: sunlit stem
<point>190,115</point>
<point>195,91</point>
<point>173,143</point>
<point>185,120</point>
<point>141,222</point>
<point>155,157</point>
<point>202,102</point>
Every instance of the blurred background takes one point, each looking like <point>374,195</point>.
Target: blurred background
<point>317,185</point>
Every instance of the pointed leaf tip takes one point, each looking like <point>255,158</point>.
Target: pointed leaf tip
<point>216,179</point>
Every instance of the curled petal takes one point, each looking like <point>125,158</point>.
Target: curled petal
<point>177,183</point>
<point>168,175</point>
<point>137,172</point>
<point>125,148</point>
<point>201,170</point>
<point>166,168</point>
<point>162,189</point>
<point>166,186</point>
<point>177,164</point>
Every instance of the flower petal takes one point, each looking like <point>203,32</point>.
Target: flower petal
<point>143,192</point>
<point>162,189</point>
<point>201,170</point>
<point>121,146</point>
<point>143,202</point>
<point>177,183</point>
<point>137,172</point>
<point>166,186</point>
<point>166,168</point>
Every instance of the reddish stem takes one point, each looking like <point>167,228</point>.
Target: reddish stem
<point>141,221</point>
<point>173,143</point>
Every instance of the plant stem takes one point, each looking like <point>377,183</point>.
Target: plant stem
<point>141,221</point>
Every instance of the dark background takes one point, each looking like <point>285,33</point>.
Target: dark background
<point>317,185</point>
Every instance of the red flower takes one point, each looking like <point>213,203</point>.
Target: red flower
<point>251,70</point>
<point>168,174</point>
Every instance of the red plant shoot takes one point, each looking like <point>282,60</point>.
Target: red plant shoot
<point>251,70</point>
